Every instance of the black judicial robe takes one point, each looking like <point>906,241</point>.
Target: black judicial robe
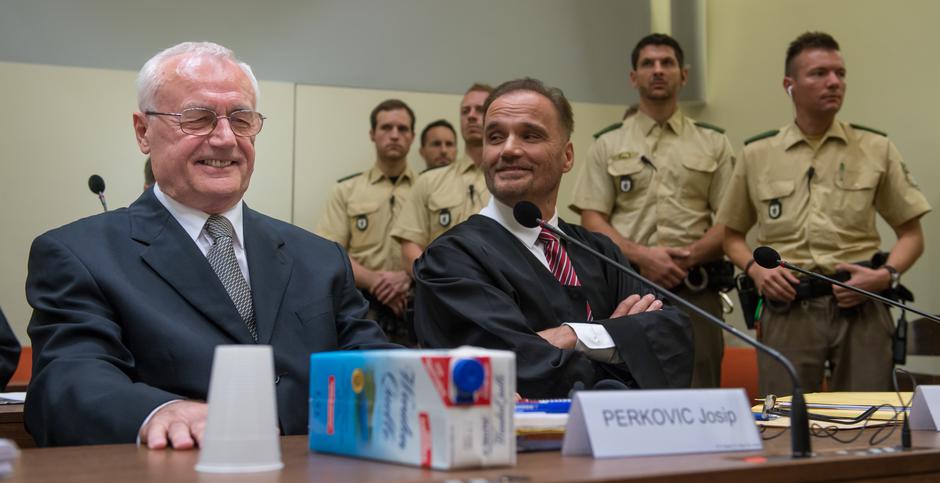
<point>477,284</point>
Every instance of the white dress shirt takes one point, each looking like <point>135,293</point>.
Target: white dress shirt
<point>593,339</point>
<point>194,222</point>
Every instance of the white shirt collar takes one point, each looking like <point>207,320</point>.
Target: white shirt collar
<point>502,214</point>
<point>193,220</point>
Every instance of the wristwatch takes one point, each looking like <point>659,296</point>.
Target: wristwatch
<point>895,276</point>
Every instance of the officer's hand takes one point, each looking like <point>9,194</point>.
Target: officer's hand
<point>399,304</point>
<point>862,277</point>
<point>657,264</point>
<point>390,285</point>
<point>178,424</point>
<point>775,283</point>
<point>562,337</point>
<point>635,304</point>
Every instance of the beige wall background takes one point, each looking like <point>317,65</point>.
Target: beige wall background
<point>63,123</point>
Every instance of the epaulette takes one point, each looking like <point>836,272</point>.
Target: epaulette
<point>765,134</point>
<point>348,177</point>
<point>433,168</point>
<point>608,129</point>
<point>709,126</point>
<point>866,128</point>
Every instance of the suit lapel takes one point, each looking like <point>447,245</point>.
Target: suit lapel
<point>270,269</point>
<point>175,257</point>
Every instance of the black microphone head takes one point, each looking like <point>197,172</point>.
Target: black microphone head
<point>96,184</point>
<point>527,214</point>
<point>767,257</point>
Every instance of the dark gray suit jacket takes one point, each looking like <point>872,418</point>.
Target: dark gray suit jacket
<point>127,312</point>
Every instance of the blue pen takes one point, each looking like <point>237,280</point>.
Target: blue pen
<point>543,406</point>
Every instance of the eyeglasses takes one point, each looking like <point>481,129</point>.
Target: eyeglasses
<point>199,122</point>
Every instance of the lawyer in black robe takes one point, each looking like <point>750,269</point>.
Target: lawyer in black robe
<point>479,285</point>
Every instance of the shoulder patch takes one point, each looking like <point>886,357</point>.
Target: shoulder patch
<point>709,126</point>
<point>866,128</point>
<point>608,129</point>
<point>763,135</point>
<point>348,177</point>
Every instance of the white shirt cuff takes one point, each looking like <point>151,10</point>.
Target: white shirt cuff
<point>147,420</point>
<point>593,336</point>
<point>595,342</point>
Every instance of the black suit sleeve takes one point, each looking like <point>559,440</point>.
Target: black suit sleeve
<point>82,389</point>
<point>9,351</point>
<point>353,330</point>
<point>462,303</point>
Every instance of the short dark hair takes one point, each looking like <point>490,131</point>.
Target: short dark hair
<point>553,94</point>
<point>148,173</point>
<point>391,105</point>
<point>478,86</point>
<point>658,39</point>
<point>806,41</point>
<point>434,124</point>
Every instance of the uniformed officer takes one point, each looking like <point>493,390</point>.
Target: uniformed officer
<point>812,188</point>
<point>363,207</point>
<point>442,198</point>
<point>653,183</point>
<point>438,144</point>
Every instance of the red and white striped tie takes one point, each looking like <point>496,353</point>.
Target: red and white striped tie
<point>559,263</point>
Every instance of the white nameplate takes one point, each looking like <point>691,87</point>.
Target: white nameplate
<point>925,409</point>
<point>608,424</point>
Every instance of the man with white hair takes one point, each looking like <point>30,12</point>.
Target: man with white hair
<point>129,305</point>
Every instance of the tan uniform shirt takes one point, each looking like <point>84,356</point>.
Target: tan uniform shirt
<point>360,213</point>
<point>817,207</point>
<point>660,185</point>
<point>440,199</point>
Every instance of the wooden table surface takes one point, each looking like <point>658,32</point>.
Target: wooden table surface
<point>118,463</point>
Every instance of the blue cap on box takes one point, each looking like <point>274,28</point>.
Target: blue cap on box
<point>468,375</point>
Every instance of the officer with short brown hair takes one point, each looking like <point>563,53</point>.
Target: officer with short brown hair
<point>444,197</point>
<point>652,184</point>
<point>362,209</point>
<point>812,188</point>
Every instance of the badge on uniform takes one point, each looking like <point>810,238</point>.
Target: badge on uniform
<point>626,183</point>
<point>362,222</point>
<point>775,209</point>
<point>626,155</point>
<point>444,217</point>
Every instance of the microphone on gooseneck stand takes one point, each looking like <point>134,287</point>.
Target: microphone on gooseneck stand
<point>529,215</point>
<point>96,185</point>
<point>769,258</point>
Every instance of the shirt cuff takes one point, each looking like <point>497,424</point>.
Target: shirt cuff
<point>149,416</point>
<point>595,342</point>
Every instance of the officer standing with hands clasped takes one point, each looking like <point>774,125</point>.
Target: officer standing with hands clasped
<point>653,183</point>
<point>812,188</point>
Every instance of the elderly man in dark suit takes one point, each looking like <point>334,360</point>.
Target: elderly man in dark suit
<point>128,305</point>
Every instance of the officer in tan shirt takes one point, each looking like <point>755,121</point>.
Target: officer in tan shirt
<point>653,183</point>
<point>442,198</point>
<point>363,207</point>
<point>812,188</point>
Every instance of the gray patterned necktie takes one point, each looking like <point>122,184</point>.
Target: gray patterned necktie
<point>221,257</point>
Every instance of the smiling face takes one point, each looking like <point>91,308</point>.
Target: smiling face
<point>818,82</point>
<point>210,172</point>
<point>525,150</point>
